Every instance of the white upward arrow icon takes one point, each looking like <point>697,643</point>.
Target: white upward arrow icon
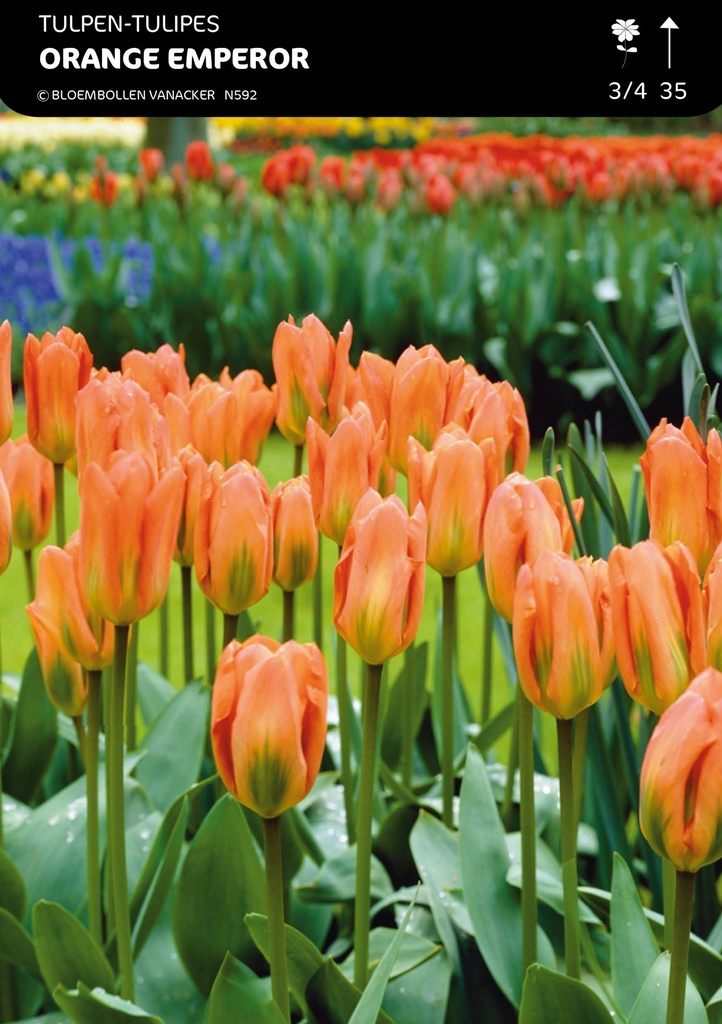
<point>669,25</point>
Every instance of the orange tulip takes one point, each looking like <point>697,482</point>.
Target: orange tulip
<point>199,162</point>
<point>683,481</point>
<point>65,682</point>
<point>295,537</point>
<point>152,161</point>
<point>233,549</point>
<point>496,410</point>
<point>520,523</point>
<point>61,609</point>
<point>31,483</point>
<point>311,372</point>
<point>454,482</point>
<point>6,525</point>
<point>7,411</point>
<point>562,634</point>
<point>680,809</point>
<point>159,373</point>
<point>268,721</point>
<point>230,420</point>
<point>128,529</point>
<point>379,579</point>
<point>421,392</point>
<point>117,414</point>
<point>55,368</point>
<point>194,468</point>
<point>342,467</point>
<point>658,621</point>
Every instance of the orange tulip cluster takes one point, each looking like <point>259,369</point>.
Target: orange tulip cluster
<point>538,169</point>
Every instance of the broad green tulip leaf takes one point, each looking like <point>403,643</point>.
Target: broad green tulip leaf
<point>322,820</point>
<point>705,964</point>
<point>551,998</point>
<point>496,727</point>
<point>550,892</point>
<point>303,959</point>
<point>651,1004</point>
<point>239,995</point>
<point>714,1008</point>
<point>13,896</point>
<point>414,951</point>
<point>94,1006</point>
<point>492,903</point>
<point>332,999</point>
<point>34,733</point>
<point>169,767</point>
<point>154,692</point>
<point>221,870</point>
<point>421,995</point>
<point>462,713</point>
<point>391,842</point>
<point>66,951</point>
<point>162,985</point>
<point>634,948</point>
<point>158,873</point>
<point>369,1004</point>
<point>313,920</point>
<point>16,945</point>
<point>336,880</point>
<point>61,878</point>
<point>436,854</point>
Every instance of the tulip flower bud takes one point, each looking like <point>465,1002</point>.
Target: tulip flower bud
<point>295,537</point>
<point>454,482</point>
<point>683,482</point>
<point>522,520</point>
<point>55,368</point>
<point>658,621</point>
<point>562,634</point>
<point>194,467</point>
<point>7,411</point>
<point>311,373</point>
<point>65,681</point>
<point>6,525</point>
<point>159,373</point>
<point>233,549</point>
<point>31,483</point>
<point>128,529</point>
<point>680,809</point>
<point>231,419</point>
<point>379,579</point>
<point>117,414</point>
<point>61,609</point>
<point>342,467</point>
<point>268,721</point>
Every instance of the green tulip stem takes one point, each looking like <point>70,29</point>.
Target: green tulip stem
<point>527,825</point>
<point>79,727</point>
<point>407,719</point>
<point>318,597</point>
<point>448,629</point>
<point>486,662</point>
<point>669,899</point>
<point>131,687</point>
<point>95,912</point>
<point>683,907</point>
<point>568,848</point>
<point>230,629</point>
<point>187,608</point>
<point>276,932</point>
<point>29,574</point>
<point>507,806</point>
<point>297,460</point>
<point>211,657</point>
<point>343,699</point>
<point>59,477</point>
<point>288,608</point>
<point>362,907</point>
<point>163,638</point>
<point>116,817</point>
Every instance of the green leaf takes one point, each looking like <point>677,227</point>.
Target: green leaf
<point>436,852</point>
<point>369,1004</point>
<point>222,870</point>
<point>162,985</point>
<point>154,693</point>
<point>634,948</point>
<point>34,732</point>
<point>680,297</point>
<point>332,999</point>
<point>551,998</point>
<point>651,1004</point>
<point>394,715</point>
<point>624,390</point>
<point>415,950</point>
<point>336,880</point>
<point>66,951</point>
<point>422,995</point>
<point>13,896</point>
<point>169,768</point>
<point>97,1007</point>
<point>239,995</point>
<point>303,959</point>
<point>16,945</point>
<point>158,873</point>
<point>621,523</point>
<point>548,452</point>
<point>492,903</point>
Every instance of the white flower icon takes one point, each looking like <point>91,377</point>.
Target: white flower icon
<point>625,31</point>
